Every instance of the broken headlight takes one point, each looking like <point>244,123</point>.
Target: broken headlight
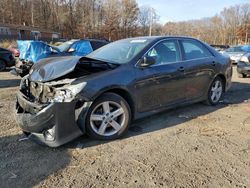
<point>68,93</point>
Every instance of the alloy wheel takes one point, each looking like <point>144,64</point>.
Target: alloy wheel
<point>107,118</point>
<point>216,91</point>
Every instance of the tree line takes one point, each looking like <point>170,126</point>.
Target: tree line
<point>111,19</point>
<point>231,26</point>
<point>115,19</point>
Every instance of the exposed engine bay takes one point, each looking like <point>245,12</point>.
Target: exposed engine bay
<point>63,88</point>
<point>38,92</point>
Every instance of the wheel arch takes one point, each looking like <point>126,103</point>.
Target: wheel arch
<point>223,78</point>
<point>124,94</point>
<point>3,60</point>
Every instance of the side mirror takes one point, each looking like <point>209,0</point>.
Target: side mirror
<point>54,51</point>
<point>147,61</point>
<point>71,50</point>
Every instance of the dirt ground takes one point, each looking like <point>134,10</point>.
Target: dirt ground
<point>192,146</point>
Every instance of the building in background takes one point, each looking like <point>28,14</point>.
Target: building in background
<point>21,32</point>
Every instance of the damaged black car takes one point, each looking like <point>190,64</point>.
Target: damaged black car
<point>102,93</point>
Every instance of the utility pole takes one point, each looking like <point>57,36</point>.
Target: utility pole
<point>150,21</point>
<point>246,39</point>
<point>32,13</point>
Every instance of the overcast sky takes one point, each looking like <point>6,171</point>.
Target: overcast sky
<point>180,10</point>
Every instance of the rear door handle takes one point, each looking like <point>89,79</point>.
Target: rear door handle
<point>181,69</point>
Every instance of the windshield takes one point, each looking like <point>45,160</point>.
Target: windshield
<point>120,52</point>
<point>65,46</point>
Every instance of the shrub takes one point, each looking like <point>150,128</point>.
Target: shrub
<point>6,43</point>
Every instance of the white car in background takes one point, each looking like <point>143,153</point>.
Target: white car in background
<point>236,52</point>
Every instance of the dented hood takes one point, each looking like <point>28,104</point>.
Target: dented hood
<point>52,68</point>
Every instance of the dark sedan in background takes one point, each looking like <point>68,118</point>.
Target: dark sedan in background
<point>6,59</point>
<point>220,47</point>
<point>100,94</point>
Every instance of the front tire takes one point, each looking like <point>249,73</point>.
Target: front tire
<point>108,118</point>
<point>215,92</point>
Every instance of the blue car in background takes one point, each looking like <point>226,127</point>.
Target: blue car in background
<point>32,51</point>
<point>81,47</point>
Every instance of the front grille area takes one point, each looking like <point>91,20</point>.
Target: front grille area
<point>35,92</point>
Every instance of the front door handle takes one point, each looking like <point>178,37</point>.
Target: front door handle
<point>213,63</point>
<point>181,69</point>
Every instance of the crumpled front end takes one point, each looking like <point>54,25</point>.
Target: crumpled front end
<point>48,112</point>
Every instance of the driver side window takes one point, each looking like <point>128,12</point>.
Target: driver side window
<point>165,52</point>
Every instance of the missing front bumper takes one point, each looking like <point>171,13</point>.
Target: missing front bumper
<point>57,119</point>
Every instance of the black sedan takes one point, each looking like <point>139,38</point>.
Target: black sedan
<point>101,94</point>
<point>6,59</point>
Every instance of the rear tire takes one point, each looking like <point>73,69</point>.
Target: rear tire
<point>215,92</point>
<point>2,65</point>
<point>108,117</point>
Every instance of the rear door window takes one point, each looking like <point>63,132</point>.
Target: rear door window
<point>194,50</point>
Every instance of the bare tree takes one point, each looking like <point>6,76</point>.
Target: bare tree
<point>115,19</point>
<point>147,18</point>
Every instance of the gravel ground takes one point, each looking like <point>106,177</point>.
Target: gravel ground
<point>192,146</point>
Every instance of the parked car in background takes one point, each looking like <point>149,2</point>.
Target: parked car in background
<point>236,52</point>
<point>14,49</point>
<point>100,94</point>
<point>33,51</point>
<point>220,47</point>
<point>81,47</point>
<point>243,66</point>
<point>6,59</point>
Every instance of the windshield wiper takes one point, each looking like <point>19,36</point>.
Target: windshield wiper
<point>98,61</point>
<point>110,64</point>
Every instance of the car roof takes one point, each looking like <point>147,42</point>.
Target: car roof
<point>237,46</point>
<point>91,40</point>
<point>160,37</point>
<point>245,45</point>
